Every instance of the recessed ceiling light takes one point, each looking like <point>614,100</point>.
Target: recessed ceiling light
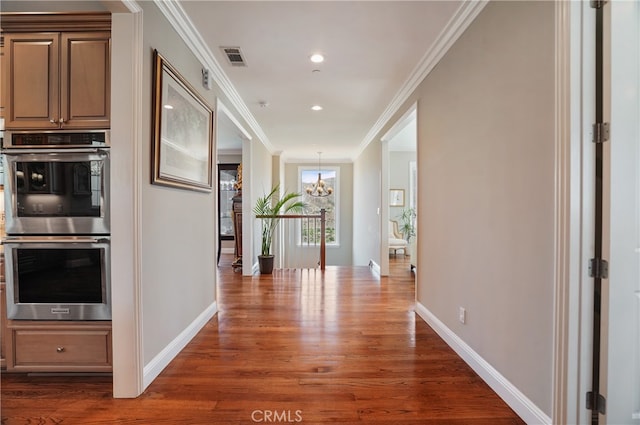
<point>317,58</point>
<point>316,108</point>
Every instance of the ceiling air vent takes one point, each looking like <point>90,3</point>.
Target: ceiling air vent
<point>234,56</point>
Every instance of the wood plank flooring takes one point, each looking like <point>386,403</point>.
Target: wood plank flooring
<point>295,347</point>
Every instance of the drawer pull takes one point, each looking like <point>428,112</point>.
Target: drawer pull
<point>60,349</point>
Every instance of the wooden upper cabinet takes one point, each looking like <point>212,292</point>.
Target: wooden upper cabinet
<point>85,79</point>
<point>31,80</point>
<point>57,80</point>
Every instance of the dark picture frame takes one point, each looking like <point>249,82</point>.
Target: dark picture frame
<point>183,125</point>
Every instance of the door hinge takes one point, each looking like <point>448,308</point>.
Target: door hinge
<point>599,403</point>
<point>598,4</point>
<point>598,268</point>
<point>600,132</point>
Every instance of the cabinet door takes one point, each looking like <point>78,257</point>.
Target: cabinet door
<point>85,84</point>
<point>31,81</point>
<point>3,90</point>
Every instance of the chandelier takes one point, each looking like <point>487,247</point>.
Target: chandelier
<point>319,188</point>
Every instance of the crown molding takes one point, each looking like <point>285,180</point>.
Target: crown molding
<point>55,21</point>
<point>179,20</point>
<point>464,16</point>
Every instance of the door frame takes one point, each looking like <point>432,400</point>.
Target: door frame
<point>409,115</point>
<point>573,313</point>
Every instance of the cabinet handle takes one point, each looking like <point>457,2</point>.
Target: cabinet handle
<point>53,121</point>
<point>60,349</point>
<point>61,120</point>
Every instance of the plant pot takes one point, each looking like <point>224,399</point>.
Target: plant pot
<point>265,262</point>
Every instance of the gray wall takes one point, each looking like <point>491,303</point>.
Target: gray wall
<point>486,151</point>
<point>178,239</point>
<point>485,123</point>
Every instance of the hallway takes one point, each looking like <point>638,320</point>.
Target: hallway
<point>292,347</point>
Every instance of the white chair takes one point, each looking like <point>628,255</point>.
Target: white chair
<point>395,238</point>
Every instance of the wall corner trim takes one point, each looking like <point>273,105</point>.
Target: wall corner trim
<point>162,360</point>
<point>375,267</point>
<point>524,407</point>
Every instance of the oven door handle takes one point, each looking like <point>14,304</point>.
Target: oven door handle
<point>11,239</point>
<point>27,151</point>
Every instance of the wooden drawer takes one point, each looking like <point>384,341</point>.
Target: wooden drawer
<point>57,348</point>
<point>61,347</point>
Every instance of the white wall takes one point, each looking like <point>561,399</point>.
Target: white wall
<point>260,175</point>
<point>229,158</point>
<point>126,179</point>
<point>367,183</point>
<point>399,178</point>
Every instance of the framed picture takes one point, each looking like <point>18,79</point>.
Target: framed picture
<point>182,140</point>
<point>396,197</point>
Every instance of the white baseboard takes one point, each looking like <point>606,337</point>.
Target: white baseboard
<point>524,407</point>
<point>159,362</point>
<point>374,266</point>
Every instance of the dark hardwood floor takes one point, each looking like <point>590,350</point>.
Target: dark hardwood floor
<point>295,347</point>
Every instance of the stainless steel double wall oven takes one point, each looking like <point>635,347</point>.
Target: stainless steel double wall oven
<point>57,248</point>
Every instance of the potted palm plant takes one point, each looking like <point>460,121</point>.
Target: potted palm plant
<point>268,208</point>
<point>407,223</point>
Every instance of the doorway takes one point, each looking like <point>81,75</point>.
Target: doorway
<point>400,151</point>
<point>230,137</point>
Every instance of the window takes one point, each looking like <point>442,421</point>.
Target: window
<point>310,232</point>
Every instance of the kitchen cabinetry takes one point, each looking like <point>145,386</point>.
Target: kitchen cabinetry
<point>57,80</point>
<point>55,73</point>
<point>2,88</point>
<point>43,346</point>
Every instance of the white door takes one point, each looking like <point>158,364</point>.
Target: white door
<point>621,308</point>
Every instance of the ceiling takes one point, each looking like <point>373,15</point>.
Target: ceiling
<point>372,51</point>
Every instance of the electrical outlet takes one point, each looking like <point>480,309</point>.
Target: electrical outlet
<point>462,315</point>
